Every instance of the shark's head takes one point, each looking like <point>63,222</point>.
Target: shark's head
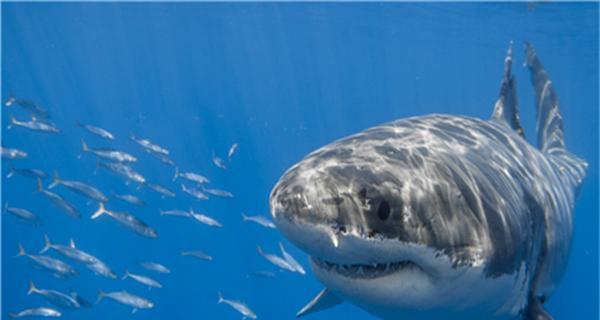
<point>386,221</point>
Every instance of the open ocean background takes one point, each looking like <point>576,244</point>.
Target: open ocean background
<point>279,79</point>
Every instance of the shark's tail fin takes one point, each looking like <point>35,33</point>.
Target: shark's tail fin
<point>47,244</point>
<point>221,300</point>
<point>55,180</point>
<point>32,287</point>
<point>12,315</point>
<point>101,210</point>
<point>244,217</point>
<point>126,275</point>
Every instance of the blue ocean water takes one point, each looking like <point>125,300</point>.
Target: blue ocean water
<point>279,79</point>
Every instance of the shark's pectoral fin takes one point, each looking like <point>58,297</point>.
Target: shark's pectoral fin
<point>324,300</point>
<point>535,311</point>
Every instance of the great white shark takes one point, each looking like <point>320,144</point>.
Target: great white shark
<point>439,216</point>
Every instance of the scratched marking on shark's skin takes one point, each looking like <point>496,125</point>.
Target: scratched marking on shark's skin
<point>441,215</point>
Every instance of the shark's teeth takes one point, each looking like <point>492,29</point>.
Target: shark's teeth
<point>371,270</point>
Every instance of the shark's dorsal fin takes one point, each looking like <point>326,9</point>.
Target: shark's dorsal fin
<point>324,300</point>
<point>506,109</point>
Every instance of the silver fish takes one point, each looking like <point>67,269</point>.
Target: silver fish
<point>123,170</point>
<point>130,198</point>
<point>101,268</point>
<point>36,312</point>
<point>162,190</point>
<point>175,213</point>
<point>127,220</point>
<point>79,187</point>
<point>262,274</point>
<point>198,254</point>
<point>12,154</point>
<point>127,299</point>
<point>23,214</point>
<point>83,303</point>
<point>153,266</point>
<point>108,154</point>
<point>239,307</point>
<point>56,267</point>
<point>102,133</point>
<point>28,173</point>
<point>199,195</point>
<point>190,176</point>
<point>148,145</point>
<point>151,283</point>
<point>263,221</point>
<point>69,251</point>
<point>163,158</point>
<point>219,163</point>
<point>291,260</point>
<point>57,298</point>
<point>59,201</point>
<point>205,219</point>
<point>232,151</point>
<point>30,106</point>
<point>34,125</point>
<point>218,193</point>
<point>276,260</point>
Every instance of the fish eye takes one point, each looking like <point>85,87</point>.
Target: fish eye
<point>383,212</point>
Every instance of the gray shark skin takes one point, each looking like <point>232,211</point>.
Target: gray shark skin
<point>439,216</point>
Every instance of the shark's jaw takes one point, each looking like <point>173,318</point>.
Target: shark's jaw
<point>364,271</point>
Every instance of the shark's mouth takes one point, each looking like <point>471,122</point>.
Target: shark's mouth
<point>365,271</point>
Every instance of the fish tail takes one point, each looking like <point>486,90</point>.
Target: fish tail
<point>100,211</point>
<point>39,185</point>
<point>101,295</point>
<point>47,244</point>
<point>12,315</point>
<point>13,121</point>
<point>5,209</point>
<point>221,300</point>
<point>32,287</point>
<point>176,173</point>
<point>21,251</point>
<point>281,248</point>
<point>11,172</point>
<point>10,101</point>
<point>84,146</point>
<point>244,217</point>
<point>126,275</point>
<point>55,180</point>
<point>260,250</point>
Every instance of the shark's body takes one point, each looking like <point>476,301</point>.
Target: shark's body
<point>439,216</point>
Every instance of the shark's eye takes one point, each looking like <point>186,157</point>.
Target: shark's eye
<point>383,212</point>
